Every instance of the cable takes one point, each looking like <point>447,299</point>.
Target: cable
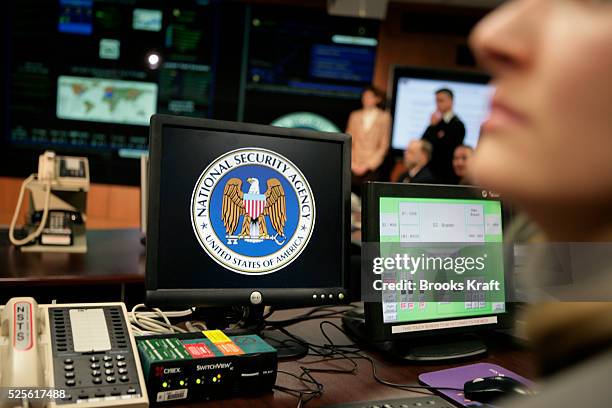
<point>156,312</point>
<point>374,370</point>
<point>146,323</point>
<point>333,352</point>
<point>245,311</point>
<point>306,316</point>
<point>43,221</point>
<point>195,326</point>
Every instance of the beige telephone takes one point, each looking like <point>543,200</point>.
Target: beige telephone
<point>58,197</point>
<point>62,354</point>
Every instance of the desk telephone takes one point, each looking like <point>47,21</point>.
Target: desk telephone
<point>57,205</point>
<point>68,354</point>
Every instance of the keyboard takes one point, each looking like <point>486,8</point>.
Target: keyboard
<point>431,401</point>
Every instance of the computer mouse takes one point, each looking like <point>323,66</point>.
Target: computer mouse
<point>489,389</point>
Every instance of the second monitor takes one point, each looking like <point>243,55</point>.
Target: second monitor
<point>450,277</point>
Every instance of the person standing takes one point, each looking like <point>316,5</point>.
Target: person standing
<point>445,132</point>
<point>370,129</point>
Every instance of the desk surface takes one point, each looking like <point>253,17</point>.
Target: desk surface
<point>117,255</point>
<point>113,255</point>
<point>340,388</point>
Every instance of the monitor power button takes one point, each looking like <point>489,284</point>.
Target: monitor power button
<point>256,298</point>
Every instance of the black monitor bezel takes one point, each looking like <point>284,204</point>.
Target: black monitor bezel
<point>161,297</point>
<point>429,73</point>
<point>372,191</point>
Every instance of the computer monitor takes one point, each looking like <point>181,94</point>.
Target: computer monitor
<point>414,101</point>
<point>456,233</point>
<point>243,214</point>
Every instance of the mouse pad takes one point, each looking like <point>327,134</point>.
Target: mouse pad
<point>456,377</point>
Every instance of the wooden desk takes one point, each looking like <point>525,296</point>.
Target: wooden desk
<point>340,388</point>
<point>112,269</point>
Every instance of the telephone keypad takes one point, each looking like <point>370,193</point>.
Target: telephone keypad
<point>82,372</point>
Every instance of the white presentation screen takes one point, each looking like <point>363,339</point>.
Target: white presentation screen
<point>415,102</point>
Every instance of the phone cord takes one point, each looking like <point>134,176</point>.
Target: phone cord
<point>43,221</point>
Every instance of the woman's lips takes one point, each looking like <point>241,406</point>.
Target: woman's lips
<point>503,116</point>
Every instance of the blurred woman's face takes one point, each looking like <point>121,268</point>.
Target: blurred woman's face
<point>369,99</point>
<point>549,135</point>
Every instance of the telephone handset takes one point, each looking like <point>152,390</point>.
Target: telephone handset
<point>21,358</point>
<point>46,166</point>
<point>78,353</point>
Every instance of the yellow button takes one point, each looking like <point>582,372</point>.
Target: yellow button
<point>216,336</point>
<point>165,384</point>
<point>182,382</point>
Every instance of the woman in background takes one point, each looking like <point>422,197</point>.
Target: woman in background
<point>370,128</point>
<point>547,147</point>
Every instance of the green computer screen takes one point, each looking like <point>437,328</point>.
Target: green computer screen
<point>444,228</point>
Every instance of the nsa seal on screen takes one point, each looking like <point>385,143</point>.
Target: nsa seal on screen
<point>252,211</point>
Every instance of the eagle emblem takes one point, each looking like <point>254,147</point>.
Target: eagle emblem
<point>252,211</point>
<point>254,206</point>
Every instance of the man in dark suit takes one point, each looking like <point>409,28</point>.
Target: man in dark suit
<point>416,159</point>
<point>445,132</point>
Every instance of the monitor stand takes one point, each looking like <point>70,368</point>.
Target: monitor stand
<point>423,350</point>
<point>287,348</point>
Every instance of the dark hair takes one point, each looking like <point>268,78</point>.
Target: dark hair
<point>378,93</point>
<point>446,91</point>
